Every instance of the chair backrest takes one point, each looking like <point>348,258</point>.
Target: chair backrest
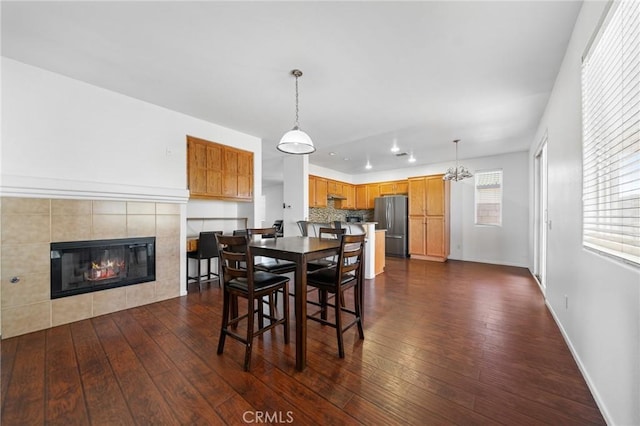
<point>234,253</point>
<point>302,225</point>
<point>330,233</point>
<point>265,232</point>
<point>313,228</point>
<point>207,246</point>
<point>350,258</point>
<point>354,228</point>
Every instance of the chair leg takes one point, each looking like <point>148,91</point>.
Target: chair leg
<point>187,281</point>
<point>234,310</point>
<point>226,300</point>
<point>249,345</point>
<point>323,298</point>
<point>261,313</point>
<point>338,306</point>
<point>219,263</point>
<point>199,274</point>
<point>358,310</point>
<point>285,308</point>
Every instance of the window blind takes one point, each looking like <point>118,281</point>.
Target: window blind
<point>489,198</point>
<point>611,135</point>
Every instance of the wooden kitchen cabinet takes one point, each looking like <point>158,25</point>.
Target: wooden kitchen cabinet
<point>429,218</point>
<point>349,193</point>
<point>398,187</point>
<point>365,195</point>
<point>217,171</point>
<point>361,197</point>
<point>334,188</point>
<point>317,191</point>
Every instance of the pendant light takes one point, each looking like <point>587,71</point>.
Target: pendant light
<point>458,173</point>
<point>295,141</point>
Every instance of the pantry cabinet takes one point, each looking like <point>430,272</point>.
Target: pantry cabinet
<point>429,217</point>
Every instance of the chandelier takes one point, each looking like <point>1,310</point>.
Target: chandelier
<point>295,141</point>
<point>460,172</point>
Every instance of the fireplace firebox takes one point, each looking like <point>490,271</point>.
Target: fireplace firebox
<point>84,266</point>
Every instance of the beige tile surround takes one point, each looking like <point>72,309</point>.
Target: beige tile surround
<point>29,225</point>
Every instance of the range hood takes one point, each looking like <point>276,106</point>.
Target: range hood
<point>336,197</point>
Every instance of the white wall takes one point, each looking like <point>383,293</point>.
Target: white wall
<point>63,134</point>
<point>273,203</point>
<point>62,138</point>
<point>602,321</point>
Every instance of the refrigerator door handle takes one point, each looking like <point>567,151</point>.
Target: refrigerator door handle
<point>399,237</point>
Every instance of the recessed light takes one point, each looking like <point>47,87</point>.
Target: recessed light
<point>412,159</point>
<point>332,153</point>
<point>346,158</point>
<point>368,166</point>
<point>395,148</point>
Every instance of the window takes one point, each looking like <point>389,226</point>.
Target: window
<point>489,198</point>
<point>611,135</point>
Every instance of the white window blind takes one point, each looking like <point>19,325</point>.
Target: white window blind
<point>489,198</point>
<point>611,135</point>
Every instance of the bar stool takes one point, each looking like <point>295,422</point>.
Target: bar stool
<point>207,250</point>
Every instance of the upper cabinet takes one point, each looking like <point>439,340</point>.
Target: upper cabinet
<point>334,187</point>
<point>317,191</point>
<point>398,187</point>
<point>217,171</point>
<point>366,194</point>
<point>348,191</point>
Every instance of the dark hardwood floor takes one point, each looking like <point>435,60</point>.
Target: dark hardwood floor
<point>452,343</point>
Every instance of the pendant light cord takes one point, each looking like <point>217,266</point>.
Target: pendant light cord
<point>297,126</point>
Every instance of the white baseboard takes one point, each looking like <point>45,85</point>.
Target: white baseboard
<point>581,367</point>
<point>492,262</point>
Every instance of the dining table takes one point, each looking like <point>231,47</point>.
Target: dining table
<point>299,250</point>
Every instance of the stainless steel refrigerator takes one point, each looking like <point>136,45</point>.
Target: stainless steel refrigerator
<point>391,213</point>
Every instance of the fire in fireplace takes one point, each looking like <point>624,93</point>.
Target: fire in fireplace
<point>84,266</point>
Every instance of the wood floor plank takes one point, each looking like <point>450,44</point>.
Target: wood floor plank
<point>65,396</point>
<point>24,403</point>
<point>8,349</point>
<point>103,397</point>
<point>145,402</point>
<point>445,343</point>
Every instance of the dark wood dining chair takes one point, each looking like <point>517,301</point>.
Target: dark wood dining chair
<point>207,250</point>
<point>267,264</point>
<point>327,262</point>
<point>251,285</point>
<point>346,275</point>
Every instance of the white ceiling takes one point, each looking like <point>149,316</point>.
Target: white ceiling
<point>419,73</point>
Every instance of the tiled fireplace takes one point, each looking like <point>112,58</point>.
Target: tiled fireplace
<point>30,225</point>
<point>79,267</point>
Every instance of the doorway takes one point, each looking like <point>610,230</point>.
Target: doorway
<point>541,215</point>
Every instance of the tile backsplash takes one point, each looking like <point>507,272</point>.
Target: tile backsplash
<point>330,213</point>
<point>29,225</point>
